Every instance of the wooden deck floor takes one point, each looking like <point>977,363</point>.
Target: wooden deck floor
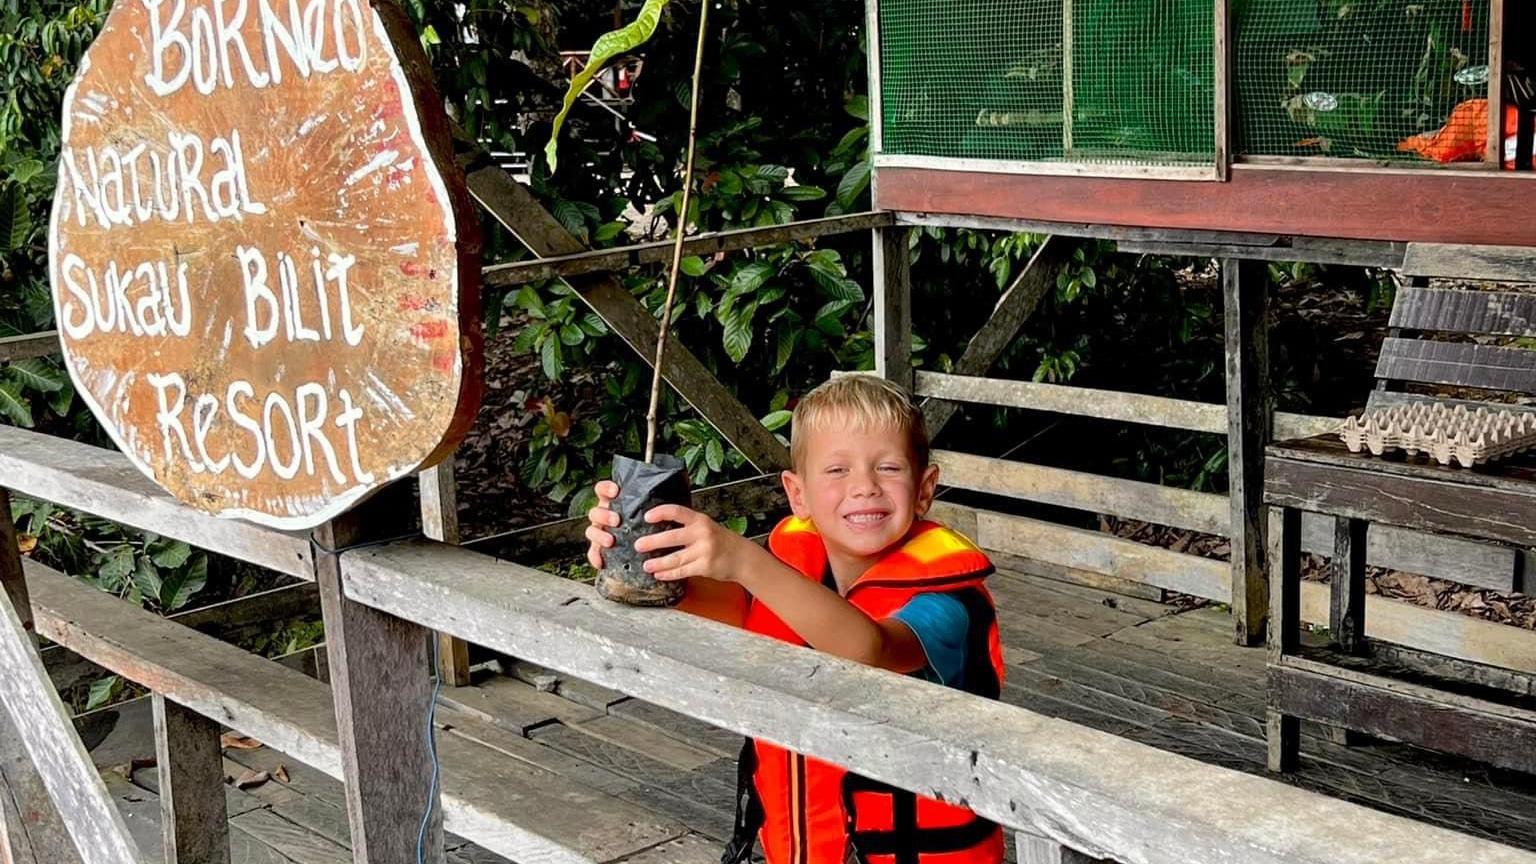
<point>1133,667</point>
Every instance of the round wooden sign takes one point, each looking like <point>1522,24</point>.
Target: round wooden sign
<point>265,265</point>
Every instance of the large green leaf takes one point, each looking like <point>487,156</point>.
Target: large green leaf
<point>36,373</point>
<point>609,45</point>
<point>15,220</point>
<point>13,406</point>
<point>853,183</point>
<point>177,589</point>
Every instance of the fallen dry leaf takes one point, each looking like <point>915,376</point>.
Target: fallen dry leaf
<point>26,542</point>
<point>281,774</point>
<point>251,779</point>
<point>236,741</point>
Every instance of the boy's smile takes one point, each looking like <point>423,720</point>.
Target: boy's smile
<point>862,490</point>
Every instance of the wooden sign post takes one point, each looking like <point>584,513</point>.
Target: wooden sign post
<point>264,261</point>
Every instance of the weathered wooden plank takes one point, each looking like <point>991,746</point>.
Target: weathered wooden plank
<point>1404,205</point>
<point>502,804</point>
<point>1348,253</point>
<point>13,348</point>
<point>1449,722</point>
<point>521,214</point>
<point>1018,302</point>
<point>31,830</point>
<point>1417,503</point>
<point>1245,293</point>
<point>387,759</point>
<point>40,720</point>
<point>620,732</point>
<point>689,849</point>
<point>891,273</point>
<point>1346,607</point>
<point>1105,404</point>
<point>703,245</point>
<point>1090,791</point>
<point>1068,576</point>
<point>1095,493</point>
<point>1090,617</point>
<point>293,841</point>
<point>1395,548</point>
<point>722,743</point>
<point>1034,849</point>
<point>103,482</point>
<point>1097,552</point>
<point>194,822</point>
<point>1463,261</point>
<point>440,521</point>
<point>1498,312</point>
<point>1461,364</point>
<point>516,706</point>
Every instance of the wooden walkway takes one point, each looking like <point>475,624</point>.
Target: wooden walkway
<point>621,779</point>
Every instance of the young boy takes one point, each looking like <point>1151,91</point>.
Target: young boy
<point>857,572</point>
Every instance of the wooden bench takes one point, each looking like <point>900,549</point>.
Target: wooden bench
<point>1354,683</point>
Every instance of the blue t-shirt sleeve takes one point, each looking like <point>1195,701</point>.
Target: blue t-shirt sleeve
<point>940,623</point>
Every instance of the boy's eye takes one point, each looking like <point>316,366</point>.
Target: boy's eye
<point>837,469</point>
<point>890,469</point>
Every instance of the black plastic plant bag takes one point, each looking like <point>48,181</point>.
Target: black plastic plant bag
<point>642,485</point>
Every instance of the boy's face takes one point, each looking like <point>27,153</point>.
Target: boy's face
<point>861,488</point>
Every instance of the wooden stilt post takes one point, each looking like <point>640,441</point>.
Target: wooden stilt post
<point>440,521</point>
<point>1249,413</point>
<point>31,831</point>
<point>193,818</point>
<point>893,305</point>
<point>382,691</point>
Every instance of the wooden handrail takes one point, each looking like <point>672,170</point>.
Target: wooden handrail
<point>1092,791</point>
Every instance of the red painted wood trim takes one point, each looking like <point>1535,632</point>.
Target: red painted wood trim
<point>1496,208</point>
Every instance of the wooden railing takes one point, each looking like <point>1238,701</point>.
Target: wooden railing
<point>1089,791</point>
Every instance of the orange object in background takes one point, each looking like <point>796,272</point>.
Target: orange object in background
<point>1463,138</point>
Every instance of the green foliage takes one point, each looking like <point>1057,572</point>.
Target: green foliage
<point>608,46</point>
<point>146,569</point>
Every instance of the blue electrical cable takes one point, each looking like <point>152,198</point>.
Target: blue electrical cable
<point>421,835</point>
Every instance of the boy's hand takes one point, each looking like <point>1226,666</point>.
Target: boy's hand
<point>602,518</point>
<point>706,548</point>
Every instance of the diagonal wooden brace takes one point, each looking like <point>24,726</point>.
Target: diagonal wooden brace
<point>522,215</point>
<point>44,728</point>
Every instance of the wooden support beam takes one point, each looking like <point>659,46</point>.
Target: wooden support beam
<point>193,819</point>
<point>40,722</point>
<point>31,831</point>
<point>1246,298</point>
<point>440,521</point>
<point>1346,614</point>
<point>387,761</point>
<point>1494,152</point>
<point>1283,731</point>
<point>104,483</point>
<point>520,213</point>
<point>609,260</point>
<point>13,348</point>
<point>892,275</point>
<point>1018,302</point>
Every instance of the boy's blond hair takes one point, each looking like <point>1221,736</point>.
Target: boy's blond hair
<point>867,403</point>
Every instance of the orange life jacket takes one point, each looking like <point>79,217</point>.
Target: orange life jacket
<point>807,811</point>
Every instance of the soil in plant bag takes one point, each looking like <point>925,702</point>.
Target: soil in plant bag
<point>642,486</point>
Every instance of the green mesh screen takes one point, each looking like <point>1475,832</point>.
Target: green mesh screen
<point>1381,79</point>
<point>991,79</point>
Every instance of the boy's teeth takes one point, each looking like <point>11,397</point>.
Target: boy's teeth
<point>865,517</point>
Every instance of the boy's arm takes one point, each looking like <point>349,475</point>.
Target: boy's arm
<point>821,617</point>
